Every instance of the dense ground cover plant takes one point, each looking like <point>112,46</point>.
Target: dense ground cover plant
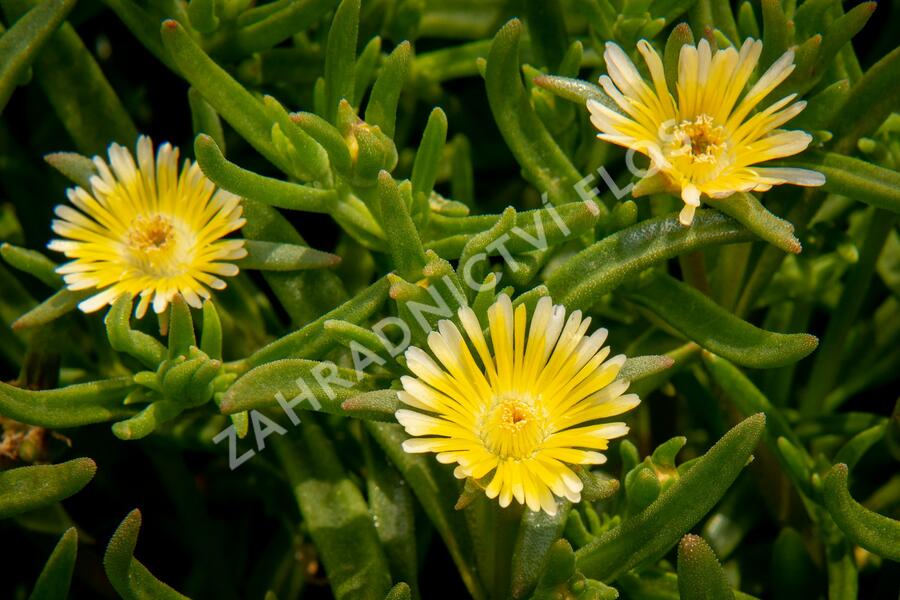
<point>347,299</point>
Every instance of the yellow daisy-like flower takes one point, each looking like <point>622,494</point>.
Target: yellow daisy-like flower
<point>146,229</point>
<point>706,141</point>
<point>524,405</point>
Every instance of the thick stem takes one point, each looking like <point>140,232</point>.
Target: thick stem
<point>693,270</point>
<point>506,528</point>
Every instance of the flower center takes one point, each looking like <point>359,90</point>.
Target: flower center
<point>512,427</point>
<point>156,247</point>
<point>699,140</point>
<point>151,234</point>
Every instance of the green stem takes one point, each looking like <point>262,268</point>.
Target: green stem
<point>693,270</point>
<point>505,523</point>
<point>825,371</point>
<point>770,258</point>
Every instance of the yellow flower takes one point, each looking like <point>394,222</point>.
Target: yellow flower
<point>527,407</point>
<point>146,229</point>
<point>706,141</point>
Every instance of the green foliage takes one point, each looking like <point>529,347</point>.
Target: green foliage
<point>397,160</point>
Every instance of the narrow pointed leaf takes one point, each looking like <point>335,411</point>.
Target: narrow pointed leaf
<point>228,97</point>
<point>263,387</point>
<point>403,241</point>
<point>272,256</point>
<point>340,56</point>
<point>700,576</point>
<point>21,43</point>
<point>211,334</point>
<point>247,184</point>
<point>429,154</point>
<point>335,514</point>
<point>876,533</point>
<point>647,536</point>
<point>600,268</point>
<point>542,161</point>
<point>79,404</point>
<point>59,304</point>
<point>128,576</point>
<point>147,349</point>
<point>436,491</point>
<point>30,488</point>
<point>703,321</point>
<point>56,576</point>
<point>854,178</point>
<point>32,262</point>
<point>382,107</point>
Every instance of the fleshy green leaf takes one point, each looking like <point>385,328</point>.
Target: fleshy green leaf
<point>648,535</point>
<point>56,576</point>
<point>147,349</point>
<point>749,212</point>
<point>700,319</point>
<point>393,512</point>
<point>269,24</point>
<point>272,256</point>
<point>855,178</point>
<point>128,576</point>
<point>22,42</point>
<point>537,534</point>
<point>436,491</point>
<point>600,268</point>
<point>327,386</point>
<point>876,533</point>
<point>32,262</point>
<point>79,93</point>
<point>542,161</point>
<point>382,107</point>
<point>311,341</point>
<point>428,156</point>
<point>869,103</point>
<point>267,190</point>
<point>550,226</point>
<point>340,56</point>
<point>379,405</point>
<point>29,488</point>
<point>228,97</point>
<point>335,514</point>
<point>79,169</point>
<point>404,243</point>
<point>59,304</point>
<point>400,591</point>
<point>203,15</point>
<point>700,576</point>
<point>79,404</point>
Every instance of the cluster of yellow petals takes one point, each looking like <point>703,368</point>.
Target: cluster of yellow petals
<point>524,402</point>
<point>144,229</point>
<point>706,139</point>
